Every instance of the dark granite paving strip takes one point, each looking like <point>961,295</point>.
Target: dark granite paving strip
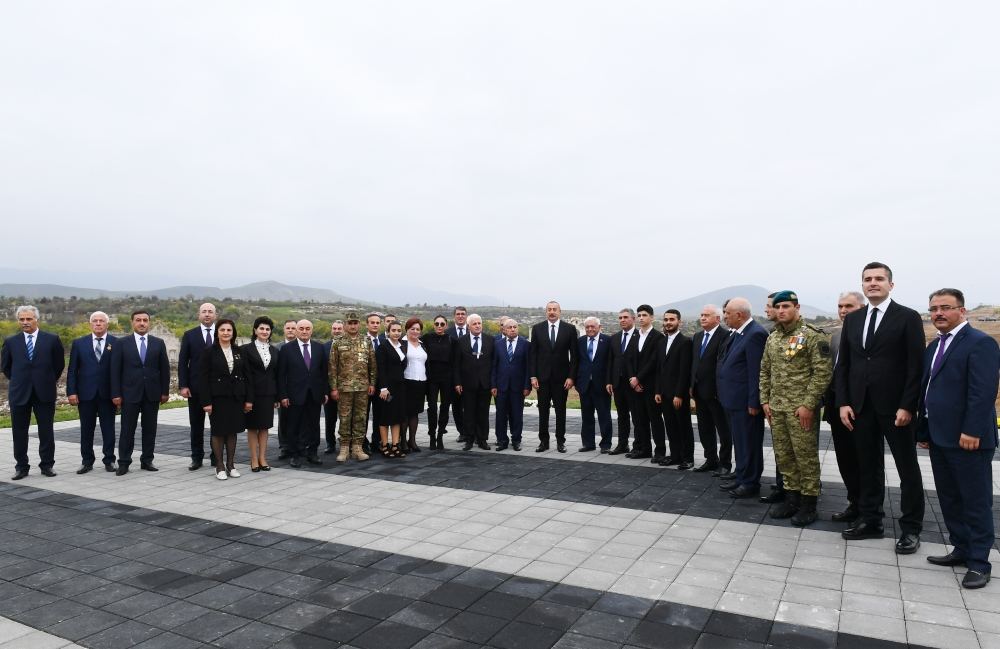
<point>317,594</point>
<point>633,485</point>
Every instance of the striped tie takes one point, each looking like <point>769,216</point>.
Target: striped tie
<point>31,348</point>
<point>510,352</point>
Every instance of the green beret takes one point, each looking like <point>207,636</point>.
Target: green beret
<point>784,296</point>
<point>352,316</point>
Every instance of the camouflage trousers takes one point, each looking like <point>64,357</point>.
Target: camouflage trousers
<point>353,411</point>
<point>796,452</point>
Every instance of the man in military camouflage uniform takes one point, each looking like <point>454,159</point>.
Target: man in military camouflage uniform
<point>352,381</point>
<point>794,373</point>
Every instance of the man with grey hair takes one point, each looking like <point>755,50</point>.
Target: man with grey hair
<point>88,386</point>
<point>712,423</point>
<point>473,381</point>
<point>193,342</point>
<point>32,361</point>
<point>621,347</point>
<point>593,349</point>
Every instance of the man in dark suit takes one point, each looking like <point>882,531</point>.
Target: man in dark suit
<point>303,388</point>
<point>291,334</point>
<point>641,368</point>
<point>330,409</point>
<point>193,342</point>
<point>552,365</point>
<point>456,330</point>
<point>843,439</point>
<point>373,325</point>
<point>473,369</point>
<point>738,376</point>
<point>673,390</point>
<point>140,382</point>
<point>593,349</point>
<point>878,386</point>
<point>713,426</point>
<point>32,361</point>
<point>958,421</point>
<point>622,348</point>
<point>510,383</point>
<point>88,387</point>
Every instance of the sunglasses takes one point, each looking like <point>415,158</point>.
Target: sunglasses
<point>440,324</point>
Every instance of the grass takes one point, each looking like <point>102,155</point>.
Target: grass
<point>66,412</point>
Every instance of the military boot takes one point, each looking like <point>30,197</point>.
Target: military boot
<point>806,513</point>
<point>357,452</point>
<point>345,449</point>
<point>788,508</point>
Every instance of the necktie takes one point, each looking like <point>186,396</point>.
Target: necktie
<point>590,349</point>
<point>142,349</point>
<point>461,331</point>
<point>552,336</point>
<point>305,356</point>
<point>475,346</point>
<point>97,349</point>
<point>31,347</point>
<point>704,344</point>
<point>375,342</point>
<point>871,327</point>
<point>940,353</point>
<point>624,341</point>
<point>208,337</point>
<point>510,351</point>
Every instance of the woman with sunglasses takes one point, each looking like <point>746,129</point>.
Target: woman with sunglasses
<point>440,348</point>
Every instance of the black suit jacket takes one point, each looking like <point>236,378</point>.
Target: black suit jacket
<point>38,374</point>
<point>390,366</point>
<point>618,361</point>
<point>87,377</point>
<point>134,381</point>
<point>593,371</point>
<point>642,364</point>
<point>470,372</point>
<point>216,381</point>
<point>263,381</point>
<point>703,366</point>
<point>553,362</point>
<point>453,330</point>
<point>192,345</point>
<point>296,382</point>
<point>673,369</point>
<point>886,375</point>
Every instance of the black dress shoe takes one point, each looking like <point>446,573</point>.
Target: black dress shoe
<point>684,466</point>
<point>975,579</point>
<point>542,448</point>
<point>501,447</point>
<point>111,468</point>
<point>706,466</point>
<point>330,450</point>
<point>462,439</point>
<point>283,455</point>
<point>586,449</point>
<point>605,451</point>
<point>516,446</point>
<point>950,559</point>
<point>295,463</point>
<point>846,516</point>
<point>483,445</point>
<point>862,530</point>
<point>729,485</point>
<point>728,475</point>
<point>48,473</point>
<point>85,468</point>
<point>908,544</point>
<point>314,460</point>
<point>195,465</point>
<point>669,461</point>
<point>642,455</point>
<point>148,466</point>
<point>467,446</point>
<point>659,459</point>
<point>19,474</point>
<point>776,496</point>
<point>618,450</point>
<point>122,469</point>
<point>721,471</point>
<point>561,447</point>
<point>744,491</point>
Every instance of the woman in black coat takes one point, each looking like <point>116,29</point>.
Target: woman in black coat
<point>261,360</point>
<point>225,394</point>
<point>391,360</point>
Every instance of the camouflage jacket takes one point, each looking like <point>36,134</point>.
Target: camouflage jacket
<point>796,367</point>
<point>352,363</point>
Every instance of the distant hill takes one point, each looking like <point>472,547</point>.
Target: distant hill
<point>271,291</point>
<point>690,308</point>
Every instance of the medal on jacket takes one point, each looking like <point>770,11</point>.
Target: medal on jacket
<point>795,343</point>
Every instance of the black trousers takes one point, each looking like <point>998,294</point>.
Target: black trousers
<point>871,432</point>
<point>476,407</point>
<point>711,421</point>
<point>596,398</point>
<point>437,416</point>
<point>131,414</point>
<point>303,427</point>
<point>90,412</point>
<point>196,417</point>
<point>330,416</point>
<point>847,459</point>
<point>20,416</point>
<point>623,405</point>
<point>964,481</point>
<point>649,430</point>
<point>551,394</point>
<point>680,433</point>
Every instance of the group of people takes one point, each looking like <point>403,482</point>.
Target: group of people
<point>872,379</point>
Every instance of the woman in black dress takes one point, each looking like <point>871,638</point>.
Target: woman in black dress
<point>391,361</point>
<point>440,379</point>
<point>261,360</point>
<point>225,393</point>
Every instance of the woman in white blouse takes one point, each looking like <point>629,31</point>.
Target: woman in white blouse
<point>415,379</point>
<point>262,373</point>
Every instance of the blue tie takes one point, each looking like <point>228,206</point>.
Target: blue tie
<point>590,349</point>
<point>704,344</point>
<point>475,346</point>
<point>510,351</point>
<point>31,348</point>
<point>624,340</point>
<point>142,349</point>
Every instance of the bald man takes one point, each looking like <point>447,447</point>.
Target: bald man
<point>303,388</point>
<point>192,343</point>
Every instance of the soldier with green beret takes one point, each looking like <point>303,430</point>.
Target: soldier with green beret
<point>794,373</point>
<point>352,381</point>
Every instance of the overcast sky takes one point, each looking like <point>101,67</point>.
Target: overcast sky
<point>599,153</point>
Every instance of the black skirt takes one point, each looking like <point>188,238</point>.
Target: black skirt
<point>392,413</point>
<point>227,417</point>
<point>416,397</point>
<point>262,415</point>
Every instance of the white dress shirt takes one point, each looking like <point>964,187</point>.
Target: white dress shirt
<point>880,311</point>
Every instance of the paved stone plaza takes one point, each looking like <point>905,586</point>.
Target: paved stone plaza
<point>455,549</point>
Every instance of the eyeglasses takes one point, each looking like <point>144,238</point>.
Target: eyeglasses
<point>440,324</point>
<point>944,308</point>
